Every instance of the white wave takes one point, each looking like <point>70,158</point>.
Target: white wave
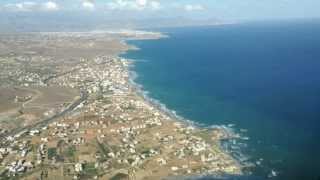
<point>233,149</point>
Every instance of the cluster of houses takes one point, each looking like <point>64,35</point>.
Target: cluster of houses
<point>31,74</point>
<point>115,114</point>
<point>19,164</point>
<point>103,74</point>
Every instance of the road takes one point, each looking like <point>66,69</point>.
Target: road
<point>45,122</point>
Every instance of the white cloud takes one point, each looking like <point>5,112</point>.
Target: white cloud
<point>142,3</point>
<point>155,5</point>
<point>133,5</point>
<point>50,6</point>
<point>88,5</point>
<point>123,5</point>
<point>23,6</point>
<point>29,6</point>
<point>193,7</point>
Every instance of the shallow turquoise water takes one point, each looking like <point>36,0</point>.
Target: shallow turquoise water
<point>263,77</point>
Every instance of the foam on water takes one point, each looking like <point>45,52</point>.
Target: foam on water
<point>262,77</point>
<point>228,145</point>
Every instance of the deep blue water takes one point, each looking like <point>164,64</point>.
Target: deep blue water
<point>263,77</point>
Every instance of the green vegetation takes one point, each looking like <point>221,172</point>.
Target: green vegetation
<point>52,153</point>
<point>89,170</point>
<point>60,143</point>
<point>120,176</point>
<point>71,151</point>
<point>103,151</point>
<point>106,101</point>
<point>4,177</point>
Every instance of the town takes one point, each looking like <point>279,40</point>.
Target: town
<point>81,117</point>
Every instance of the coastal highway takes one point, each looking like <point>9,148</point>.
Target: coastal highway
<point>83,97</point>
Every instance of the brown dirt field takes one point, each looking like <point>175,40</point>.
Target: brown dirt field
<point>50,97</point>
<point>63,48</point>
<point>7,96</point>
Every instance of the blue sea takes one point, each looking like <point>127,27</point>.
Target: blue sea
<point>263,77</point>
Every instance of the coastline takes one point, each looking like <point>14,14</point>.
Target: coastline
<point>116,129</point>
<point>133,75</point>
<point>111,127</point>
<point>227,130</point>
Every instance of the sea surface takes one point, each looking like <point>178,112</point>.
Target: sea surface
<point>262,77</point>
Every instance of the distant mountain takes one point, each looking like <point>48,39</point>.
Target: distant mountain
<point>64,21</point>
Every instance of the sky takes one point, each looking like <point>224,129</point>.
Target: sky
<point>15,11</point>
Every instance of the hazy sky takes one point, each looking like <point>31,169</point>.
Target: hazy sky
<point>222,9</point>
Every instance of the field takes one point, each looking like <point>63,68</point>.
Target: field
<point>25,106</point>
